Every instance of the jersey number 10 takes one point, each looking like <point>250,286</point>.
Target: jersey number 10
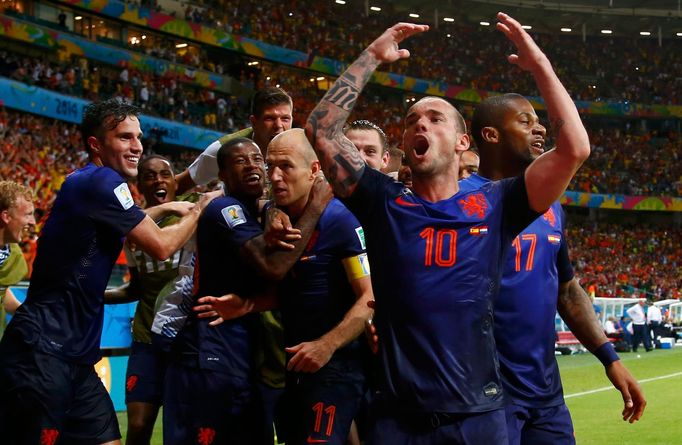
<point>444,251</point>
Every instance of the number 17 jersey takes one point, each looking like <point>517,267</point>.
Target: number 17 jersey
<point>435,272</point>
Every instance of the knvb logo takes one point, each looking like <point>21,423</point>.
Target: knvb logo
<point>474,205</point>
<point>48,436</point>
<point>205,436</point>
<point>550,217</point>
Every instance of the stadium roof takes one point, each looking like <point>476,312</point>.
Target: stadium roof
<point>623,17</point>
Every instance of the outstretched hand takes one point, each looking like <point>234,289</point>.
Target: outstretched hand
<point>385,48</point>
<point>529,56</point>
<point>227,307</point>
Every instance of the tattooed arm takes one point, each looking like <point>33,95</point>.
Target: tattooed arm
<point>340,160</point>
<point>576,310</point>
<point>548,177</point>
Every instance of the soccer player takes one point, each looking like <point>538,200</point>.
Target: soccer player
<point>371,141</point>
<point>323,302</point>
<point>537,278</point>
<point>50,389</point>
<point>209,382</point>
<point>271,114</point>
<point>437,252</point>
<point>16,215</point>
<point>469,164</point>
<point>147,363</point>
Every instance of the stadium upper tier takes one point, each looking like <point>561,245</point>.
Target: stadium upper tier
<point>456,54</point>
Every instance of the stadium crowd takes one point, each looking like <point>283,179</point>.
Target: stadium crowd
<point>622,259</point>
<point>602,68</point>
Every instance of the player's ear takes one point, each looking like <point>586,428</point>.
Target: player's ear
<point>93,144</point>
<point>463,143</point>
<point>490,135</point>
<point>315,168</point>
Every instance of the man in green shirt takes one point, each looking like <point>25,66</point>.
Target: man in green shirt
<point>16,214</point>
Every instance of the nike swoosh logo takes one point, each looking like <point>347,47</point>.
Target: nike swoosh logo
<point>311,440</point>
<point>401,201</point>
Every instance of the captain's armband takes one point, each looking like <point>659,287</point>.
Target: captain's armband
<point>356,266</point>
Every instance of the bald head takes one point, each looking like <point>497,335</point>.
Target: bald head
<point>296,141</point>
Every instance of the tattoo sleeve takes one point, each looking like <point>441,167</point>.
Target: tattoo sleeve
<point>575,308</point>
<point>340,159</point>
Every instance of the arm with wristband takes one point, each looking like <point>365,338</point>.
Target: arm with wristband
<point>575,308</point>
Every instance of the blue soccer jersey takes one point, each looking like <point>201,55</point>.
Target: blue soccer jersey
<point>77,250</point>
<point>435,273</point>
<point>316,294</point>
<point>526,306</point>
<point>224,227</point>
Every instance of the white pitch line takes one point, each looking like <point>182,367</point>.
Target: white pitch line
<point>606,388</point>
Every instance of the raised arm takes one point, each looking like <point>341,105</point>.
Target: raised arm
<point>550,174</point>
<point>340,160</point>
<point>575,308</point>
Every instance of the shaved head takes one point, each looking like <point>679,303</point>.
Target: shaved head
<point>294,139</point>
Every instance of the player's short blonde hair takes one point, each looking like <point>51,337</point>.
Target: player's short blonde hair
<point>10,191</point>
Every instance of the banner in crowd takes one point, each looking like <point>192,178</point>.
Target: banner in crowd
<point>216,37</point>
<point>47,103</point>
<point>622,202</point>
<point>36,35</point>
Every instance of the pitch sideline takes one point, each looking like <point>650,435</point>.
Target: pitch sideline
<point>606,388</point>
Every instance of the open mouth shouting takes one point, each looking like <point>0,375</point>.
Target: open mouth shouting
<point>538,147</point>
<point>420,145</point>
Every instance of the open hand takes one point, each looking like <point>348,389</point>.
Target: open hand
<point>385,48</point>
<point>529,55</point>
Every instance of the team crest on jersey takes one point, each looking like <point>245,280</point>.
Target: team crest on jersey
<point>234,215</point>
<point>205,436</point>
<point>124,196</point>
<point>48,436</point>
<point>550,217</point>
<point>474,205</point>
<point>554,239</point>
<point>478,231</point>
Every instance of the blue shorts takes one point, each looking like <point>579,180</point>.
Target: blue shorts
<point>145,375</point>
<point>536,426</point>
<point>389,427</point>
<point>206,407</point>
<point>45,400</point>
<point>320,407</point>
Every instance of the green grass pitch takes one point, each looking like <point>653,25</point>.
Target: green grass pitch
<point>596,416</point>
